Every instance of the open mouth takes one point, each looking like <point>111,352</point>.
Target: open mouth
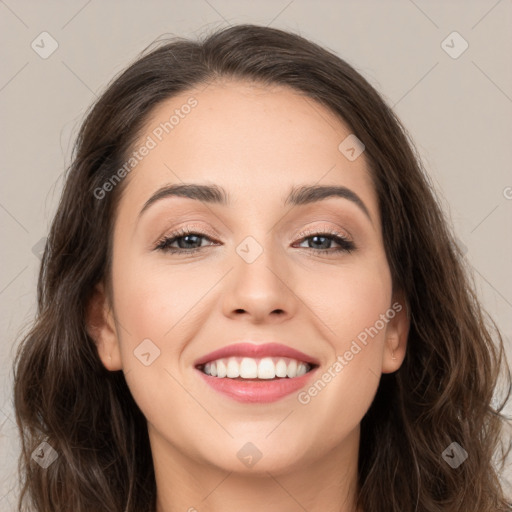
<point>256,369</point>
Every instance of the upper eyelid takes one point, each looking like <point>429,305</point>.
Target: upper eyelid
<point>325,229</point>
<point>192,229</point>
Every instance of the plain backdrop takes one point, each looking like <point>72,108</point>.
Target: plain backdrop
<point>452,91</point>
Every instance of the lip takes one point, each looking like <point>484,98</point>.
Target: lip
<point>254,391</point>
<point>257,391</point>
<point>257,351</point>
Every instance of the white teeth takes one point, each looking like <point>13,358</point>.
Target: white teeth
<point>248,368</point>
<point>221,368</point>
<point>301,370</point>
<point>292,369</point>
<point>281,368</point>
<point>233,368</point>
<point>251,368</point>
<point>266,369</point>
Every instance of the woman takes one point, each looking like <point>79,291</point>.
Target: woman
<point>318,346</point>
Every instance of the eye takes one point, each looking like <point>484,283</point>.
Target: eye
<point>186,238</point>
<point>324,239</point>
<point>189,241</point>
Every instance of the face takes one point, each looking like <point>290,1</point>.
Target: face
<point>262,267</point>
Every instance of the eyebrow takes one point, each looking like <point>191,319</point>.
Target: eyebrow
<point>214,194</point>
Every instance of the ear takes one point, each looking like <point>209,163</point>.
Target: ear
<point>397,331</point>
<point>101,328</point>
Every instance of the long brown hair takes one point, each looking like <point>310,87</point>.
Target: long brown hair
<point>443,392</point>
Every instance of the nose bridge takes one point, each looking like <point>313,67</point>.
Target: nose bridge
<point>259,281</point>
<point>256,239</point>
<point>256,255</point>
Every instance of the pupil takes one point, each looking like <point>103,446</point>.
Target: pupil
<point>316,238</point>
<point>186,240</point>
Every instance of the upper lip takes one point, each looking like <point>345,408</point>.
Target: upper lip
<point>257,351</point>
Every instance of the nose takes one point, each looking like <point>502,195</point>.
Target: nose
<point>261,290</point>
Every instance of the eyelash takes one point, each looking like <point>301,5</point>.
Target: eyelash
<point>346,245</point>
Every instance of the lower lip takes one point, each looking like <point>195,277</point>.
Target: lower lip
<point>260,391</point>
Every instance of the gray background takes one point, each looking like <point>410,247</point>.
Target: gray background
<point>458,111</point>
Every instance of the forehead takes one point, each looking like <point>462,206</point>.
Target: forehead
<point>255,141</point>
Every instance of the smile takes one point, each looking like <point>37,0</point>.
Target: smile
<point>265,368</point>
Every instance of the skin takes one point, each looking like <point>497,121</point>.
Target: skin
<point>256,142</point>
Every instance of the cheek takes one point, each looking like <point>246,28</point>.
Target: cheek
<point>357,310</point>
<point>154,299</point>
<point>352,302</point>
<point>348,299</point>
<point>154,305</point>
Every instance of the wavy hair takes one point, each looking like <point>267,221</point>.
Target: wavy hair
<point>444,392</point>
